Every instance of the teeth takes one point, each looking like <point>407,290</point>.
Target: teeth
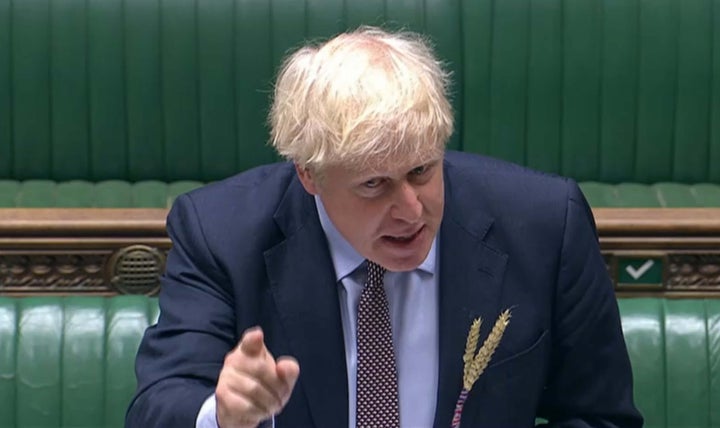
<point>402,238</point>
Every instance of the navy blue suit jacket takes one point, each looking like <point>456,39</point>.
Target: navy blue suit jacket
<point>250,251</point>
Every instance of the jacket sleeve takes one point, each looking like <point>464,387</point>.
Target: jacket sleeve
<point>180,357</point>
<point>590,378</point>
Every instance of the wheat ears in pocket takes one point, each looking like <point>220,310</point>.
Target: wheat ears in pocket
<point>475,364</point>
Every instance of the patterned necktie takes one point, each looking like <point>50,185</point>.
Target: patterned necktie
<point>377,390</point>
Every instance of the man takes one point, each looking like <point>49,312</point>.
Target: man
<point>277,261</point>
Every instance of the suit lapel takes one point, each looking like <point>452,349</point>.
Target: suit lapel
<point>471,273</point>
<point>305,291</point>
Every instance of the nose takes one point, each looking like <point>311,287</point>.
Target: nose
<point>407,205</point>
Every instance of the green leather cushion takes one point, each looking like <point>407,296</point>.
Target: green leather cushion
<point>69,361</point>
<point>83,194</point>
<point>674,348</point>
<point>156,194</point>
<point>665,195</point>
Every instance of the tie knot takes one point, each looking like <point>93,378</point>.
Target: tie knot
<point>375,273</point>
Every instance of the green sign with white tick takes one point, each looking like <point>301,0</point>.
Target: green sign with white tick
<point>646,271</point>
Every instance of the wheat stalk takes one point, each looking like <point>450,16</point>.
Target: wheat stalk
<point>471,345</point>
<point>474,367</point>
<point>472,340</point>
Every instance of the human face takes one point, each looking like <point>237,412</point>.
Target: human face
<point>390,215</point>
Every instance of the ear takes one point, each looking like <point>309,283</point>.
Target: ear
<point>308,179</point>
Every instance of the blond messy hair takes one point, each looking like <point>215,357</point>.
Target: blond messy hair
<point>362,99</point>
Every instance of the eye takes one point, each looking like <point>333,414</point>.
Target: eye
<point>420,170</point>
<point>373,183</point>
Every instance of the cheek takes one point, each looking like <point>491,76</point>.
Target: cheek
<point>371,220</point>
<point>359,220</point>
<point>434,201</point>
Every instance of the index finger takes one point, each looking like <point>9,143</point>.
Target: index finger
<point>252,342</point>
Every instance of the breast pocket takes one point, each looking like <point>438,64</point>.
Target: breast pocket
<point>523,363</point>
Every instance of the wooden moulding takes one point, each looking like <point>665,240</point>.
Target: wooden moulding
<point>657,222</point>
<point>677,248</point>
<point>143,221</point>
<point>81,222</point>
<point>122,251</point>
<point>77,251</point>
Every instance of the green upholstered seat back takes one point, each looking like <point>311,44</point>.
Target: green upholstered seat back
<point>69,362</point>
<point>168,90</point>
<point>603,90</point>
<point>674,346</point>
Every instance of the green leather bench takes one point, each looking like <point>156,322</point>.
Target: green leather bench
<point>158,194</point>
<point>608,92</point>
<point>69,361</point>
<point>674,348</point>
<point>85,194</point>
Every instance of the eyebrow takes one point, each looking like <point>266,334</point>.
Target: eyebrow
<point>429,163</point>
<point>380,175</point>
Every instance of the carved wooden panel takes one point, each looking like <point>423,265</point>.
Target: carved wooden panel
<point>82,251</point>
<point>134,269</point>
<point>37,271</point>
<point>694,271</point>
<point>648,252</point>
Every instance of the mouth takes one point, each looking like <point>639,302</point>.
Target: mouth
<point>403,239</point>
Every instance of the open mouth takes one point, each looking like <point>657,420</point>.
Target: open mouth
<point>404,239</point>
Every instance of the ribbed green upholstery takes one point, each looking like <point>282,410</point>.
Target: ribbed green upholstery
<point>164,90</point>
<point>674,346</point>
<point>604,90</point>
<point>84,194</point>
<point>600,90</point>
<point>69,361</point>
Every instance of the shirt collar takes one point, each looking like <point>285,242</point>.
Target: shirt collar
<point>346,259</point>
